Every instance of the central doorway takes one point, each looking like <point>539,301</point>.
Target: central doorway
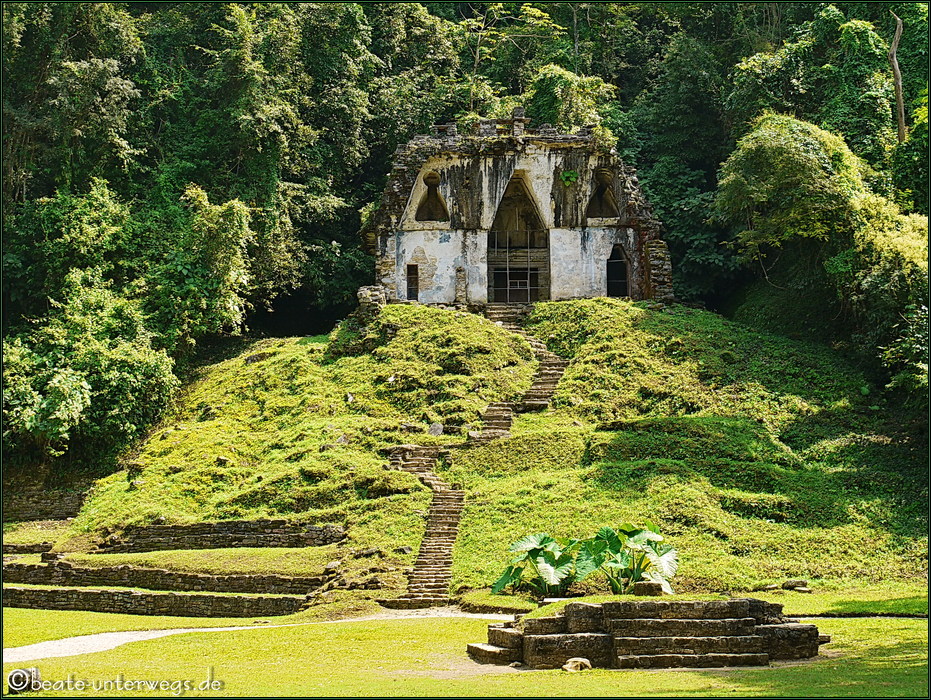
<point>518,249</point>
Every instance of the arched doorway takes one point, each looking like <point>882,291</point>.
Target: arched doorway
<point>618,273</point>
<point>518,249</point>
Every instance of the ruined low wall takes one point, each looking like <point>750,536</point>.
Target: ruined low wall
<point>222,534</point>
<point>653,634</point>
<point>139,603</point>
<point>61,573</point>
<point>38,504</point>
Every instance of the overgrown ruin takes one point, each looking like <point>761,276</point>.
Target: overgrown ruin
<point>514,215</point>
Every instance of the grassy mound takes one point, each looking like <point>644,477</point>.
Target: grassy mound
<point>295,428</point>
<point>762,458</point>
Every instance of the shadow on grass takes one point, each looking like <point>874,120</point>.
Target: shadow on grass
<point>871,668</point>
<point>909,605</point>
<point>859,464</point>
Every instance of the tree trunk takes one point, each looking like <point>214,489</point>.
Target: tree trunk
<point>897,78</point>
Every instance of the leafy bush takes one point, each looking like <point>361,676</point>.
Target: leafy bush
<point>87,375</point>
<point>548,566</point>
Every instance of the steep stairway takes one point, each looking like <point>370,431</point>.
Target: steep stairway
<point>496,423</point>
<point>551,366</point>
<point>428,584</point>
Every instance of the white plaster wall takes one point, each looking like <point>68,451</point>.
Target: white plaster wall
<point>578,257</point>
<point>438,253</point>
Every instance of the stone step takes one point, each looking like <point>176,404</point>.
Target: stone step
<point>634,646</point>
<point>692,660</point>
<point>680,627</point>
<point>414,603</point>
<point>491,654</point>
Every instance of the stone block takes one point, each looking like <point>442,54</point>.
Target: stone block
<point>554,650</point>
<point>628,646</point>
<point>506,637</point>
<point>584,617</point>
<point>545,625</point>
<point>790,640</point>
<point>678,609</point>
<point>647,588</point>
<point>491,654</point>
<point>670,627</point>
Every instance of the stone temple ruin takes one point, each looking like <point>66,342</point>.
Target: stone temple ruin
<point>514,215</point>
<point>653,634</point>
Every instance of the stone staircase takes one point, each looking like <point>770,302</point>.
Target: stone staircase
<point>496,423</point>
<point>551,366</point>
<point>428,583</point>
<point>646,634</point>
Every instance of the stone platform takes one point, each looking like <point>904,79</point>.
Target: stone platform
<point>653,634</point>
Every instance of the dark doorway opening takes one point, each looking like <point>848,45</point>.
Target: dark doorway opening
<point>518,249</point>
<point>413,283</point>
<point>618,282</point>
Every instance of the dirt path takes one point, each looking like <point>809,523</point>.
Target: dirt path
<point>104,641</point>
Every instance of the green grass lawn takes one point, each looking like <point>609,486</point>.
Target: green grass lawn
<point>284,561</point>
<point>426,657</point>
<point>34,531</point>
<point>23,626</point>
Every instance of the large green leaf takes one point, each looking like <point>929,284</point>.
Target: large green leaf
<point>589,558</point>
<point>665,560</point>
<point>612,539</point>
<point>643,536</point>
<point>554,568</point>
<point>538,541</point>
<point>510,576</point>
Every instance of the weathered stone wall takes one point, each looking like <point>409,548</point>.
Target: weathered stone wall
<point>27,548</point>
<point>144,603</point>
<point>38,504</point>
<point>653,634</point>
<point>659,272</point>
<point>473,173</point>
<point>61,573</point>
<point>222,534</point>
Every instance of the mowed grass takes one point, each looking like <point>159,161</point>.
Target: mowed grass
<point>426,657</point>
<point>884,599</point>
<point>22,626</point>
<point>283,561</point>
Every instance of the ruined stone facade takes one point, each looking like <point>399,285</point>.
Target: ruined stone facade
<point>514,215</point>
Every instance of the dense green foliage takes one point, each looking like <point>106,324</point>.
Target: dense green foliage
<point>203,162</point>
<point>548,566</point>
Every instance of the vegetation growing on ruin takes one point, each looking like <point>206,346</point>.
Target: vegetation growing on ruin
<point>177,171</point>
<point>759,457</point>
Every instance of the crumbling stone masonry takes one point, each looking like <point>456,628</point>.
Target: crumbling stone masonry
<point>152,603</point>
<point>63,573</point>
<point>224,533</point>
<point>653,634</point>
<point>514,215</point>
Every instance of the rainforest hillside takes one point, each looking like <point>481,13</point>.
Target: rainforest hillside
<point>176,173</point>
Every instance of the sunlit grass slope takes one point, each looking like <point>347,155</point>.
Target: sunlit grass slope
<point>760,457</point>
<point>291,428</point>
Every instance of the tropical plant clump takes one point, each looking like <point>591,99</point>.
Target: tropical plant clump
<point>548,566</point>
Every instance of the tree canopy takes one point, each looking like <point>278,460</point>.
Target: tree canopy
<point>174,170</point>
